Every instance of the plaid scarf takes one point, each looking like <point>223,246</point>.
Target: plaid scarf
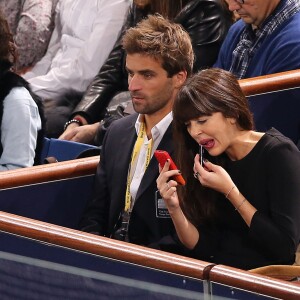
<point>251,40</point>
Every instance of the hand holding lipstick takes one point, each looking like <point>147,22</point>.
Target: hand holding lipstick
<point>211,175</point>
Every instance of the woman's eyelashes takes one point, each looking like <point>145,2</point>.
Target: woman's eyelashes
<point>202,121</point>
<point>196,121</point>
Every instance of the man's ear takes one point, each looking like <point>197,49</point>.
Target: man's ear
<point>179,79</point>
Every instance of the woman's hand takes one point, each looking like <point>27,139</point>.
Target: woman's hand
<point>213,176</point>
<point>186,231</point>
<point>168,187</point>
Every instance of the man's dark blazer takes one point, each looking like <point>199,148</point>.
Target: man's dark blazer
<point>108,201</point>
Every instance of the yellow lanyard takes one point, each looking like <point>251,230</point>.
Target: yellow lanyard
<point>134,157</point>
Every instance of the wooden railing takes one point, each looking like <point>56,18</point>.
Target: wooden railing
<point>270,83</point>
<point>146,257</point>
<point>49,172</point>
<point>110,248</point>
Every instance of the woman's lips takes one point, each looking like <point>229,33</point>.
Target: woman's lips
<point>208,143</point>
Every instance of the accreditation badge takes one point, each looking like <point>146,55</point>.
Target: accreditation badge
<point>160,206</point>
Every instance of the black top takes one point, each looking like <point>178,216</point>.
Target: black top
<point>269,178</point>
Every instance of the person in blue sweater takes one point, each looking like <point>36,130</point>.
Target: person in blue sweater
<point>265,40</point>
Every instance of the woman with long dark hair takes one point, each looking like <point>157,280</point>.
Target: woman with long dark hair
<point>241,205</point>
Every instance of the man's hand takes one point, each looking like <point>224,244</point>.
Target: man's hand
<point>82,134</point>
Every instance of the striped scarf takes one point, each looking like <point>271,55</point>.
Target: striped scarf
<point>250,40</point>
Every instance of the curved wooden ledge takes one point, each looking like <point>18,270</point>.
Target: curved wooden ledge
<point>253,282</point>
<point>110,248</point>
<point>270,83</point>
<point>49,172</point>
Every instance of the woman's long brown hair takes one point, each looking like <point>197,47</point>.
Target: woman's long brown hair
<point>207,92</point>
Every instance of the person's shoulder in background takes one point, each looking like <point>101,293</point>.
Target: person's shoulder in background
<point>33,31</point>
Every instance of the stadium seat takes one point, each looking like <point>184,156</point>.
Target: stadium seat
<point>62,150</point>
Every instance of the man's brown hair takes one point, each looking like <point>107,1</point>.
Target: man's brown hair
<point>162,40</point>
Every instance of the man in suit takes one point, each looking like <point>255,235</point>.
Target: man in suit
<point>125,204</point>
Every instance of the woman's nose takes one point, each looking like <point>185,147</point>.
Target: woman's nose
<point>194,130</point>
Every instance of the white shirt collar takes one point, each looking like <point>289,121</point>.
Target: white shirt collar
<point>159,129</point>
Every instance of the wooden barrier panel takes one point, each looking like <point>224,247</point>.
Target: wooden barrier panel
<point>275,102</point>
<point>57,260</point>
<point>110,248</point>
<point>56,193</point>
<point>204,279</point>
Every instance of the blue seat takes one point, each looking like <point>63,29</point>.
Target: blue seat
<point>63,150</point>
